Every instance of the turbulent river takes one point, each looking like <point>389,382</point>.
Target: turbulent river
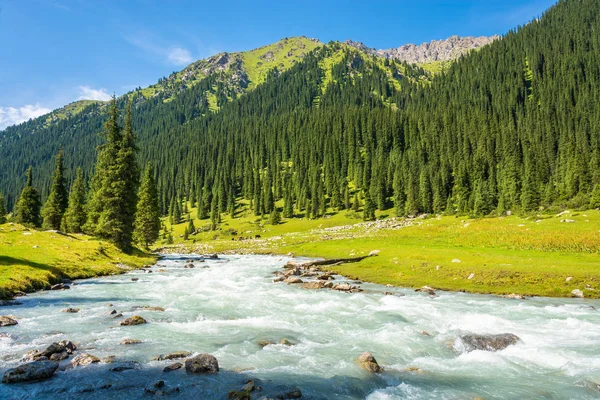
<point>225,307</point>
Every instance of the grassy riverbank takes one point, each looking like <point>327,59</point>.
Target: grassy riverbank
<point>541,255</point>
<point>32,260</point>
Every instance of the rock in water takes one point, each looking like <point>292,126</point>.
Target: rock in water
<point>368,362</point>
<point>7,321</point>
<point>33,371</point>
<point>173,367</point>
<point>135,320</point>
<point>130,341</point>
<point>489,342</point>
<point>70,310</point>
<point>84,359</point>
<point>201,364</point>
<point>172,356</point>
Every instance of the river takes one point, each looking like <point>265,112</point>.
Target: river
<point>225,307</point>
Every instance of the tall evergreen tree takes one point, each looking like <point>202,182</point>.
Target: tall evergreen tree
<point>147,216</point>
<point>75,215</point>
<point>111,211</point>
<point>2,210</point>
<point>27,209</point>
<point>58,200</point>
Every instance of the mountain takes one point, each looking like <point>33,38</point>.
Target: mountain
<point>437,50</point>
<point>512,126</point>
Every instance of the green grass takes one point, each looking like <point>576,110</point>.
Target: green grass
<point>31,259</point>
<point>531,256</point>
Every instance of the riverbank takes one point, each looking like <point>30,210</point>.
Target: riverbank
<point>541,255</point>
<point>32,260</point>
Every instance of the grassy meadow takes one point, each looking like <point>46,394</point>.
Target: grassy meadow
<point>32,260</point>
<point>535,256</point>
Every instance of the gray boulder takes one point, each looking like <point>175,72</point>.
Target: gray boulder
<point>33,371</point>
<point>488,342</point>
<point>202,364</point>
<point>368,362</point>
<point>84,359</point>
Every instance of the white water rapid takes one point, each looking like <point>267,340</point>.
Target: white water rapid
<point>225,307</point>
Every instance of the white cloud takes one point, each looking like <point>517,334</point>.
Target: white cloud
<point>174,55</point>
<point>12,116</point>
<point>179,56</point>
<point>88,93</point>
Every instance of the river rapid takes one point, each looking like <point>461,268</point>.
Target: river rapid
<point>225,307</point>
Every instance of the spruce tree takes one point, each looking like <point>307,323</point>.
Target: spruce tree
<point>27,209</point>
<point>369,209</point>
<point>2,210</point>
<point>275,217</point>
<point>191,226</point>
<point>57,201</point>
<point>214,214</point>
<point>113,199</point>
<point>594,201</point>
<point>75,216</point>
<point>147,216</point>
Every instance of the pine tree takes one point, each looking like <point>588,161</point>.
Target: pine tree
<point>58,200</point>
<point>594,201</point>
<point>186,233</point>
<point>75,216</point>
<point>370,206</point>
<point>147,216</point>
<point>191,226</point>
<point>275,217</point>
<point>111,211</point>
<point>2,210</point>
<point>27,209</point>
<point>214,214</point>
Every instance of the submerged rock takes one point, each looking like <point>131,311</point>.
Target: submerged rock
<point>173,367</point>
<point>130,341</point>
<point>159,388</point>
<point>426,289</point>
<point>7,321</point>
<point>135,320</point>
<point>125,366</point>
<point>70,310</point>
<point>514,296</point>
<point>60,286</point>
<point>33,371</point>
<point>203,363</point>
<point>149,308</point>
<point>83,359</point>
<point>368,362</point>
<point>488,342</point>
<point>172,356</point>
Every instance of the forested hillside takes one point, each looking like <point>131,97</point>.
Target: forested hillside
<point>513,126</point>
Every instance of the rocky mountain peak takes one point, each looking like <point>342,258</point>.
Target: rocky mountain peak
<point>436,50</point>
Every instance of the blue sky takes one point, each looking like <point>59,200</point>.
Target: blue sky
<point>53,52</point>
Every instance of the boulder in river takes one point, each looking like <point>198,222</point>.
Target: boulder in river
<point>149,308</point>
<point>488,342</point>
<point>514,296</point>
<point>293,280</point>
<point>70,310</point>
<point>33,371</point>
<point>201,364</point>
<point>313,285</point>
<point>55,352</point>
<point>125,366</point>
<point>188,266</point>
<point>60,286</point>
<point>368,362</point>
<point>130,341</point>
<point>135,320</point>
<point>7,321</point>
<point>426,289</point>
<point>173,367</point>
<point>83,359</point>
<point>172,356</point>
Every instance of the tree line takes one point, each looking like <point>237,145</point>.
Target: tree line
<point>113,208</point>
<point>513,126</point>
